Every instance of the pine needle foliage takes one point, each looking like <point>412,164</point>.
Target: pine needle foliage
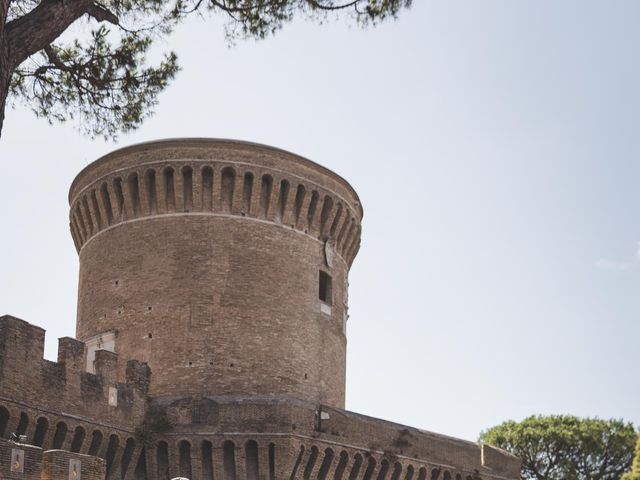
<point>104,78</point>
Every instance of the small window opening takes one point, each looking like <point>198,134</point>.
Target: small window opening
<point>150,335</point>
<point>324,292</point>
<point>195,411</point>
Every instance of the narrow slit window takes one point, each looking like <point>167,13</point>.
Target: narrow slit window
<point>324,291</point>
<point>195,411</point>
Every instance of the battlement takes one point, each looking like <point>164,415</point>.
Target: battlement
<point>26,462</point>
<point>34,385</point>
<point>215,177</point>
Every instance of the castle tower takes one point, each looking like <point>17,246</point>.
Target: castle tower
<point>211,333</point>
<point>221,264</point>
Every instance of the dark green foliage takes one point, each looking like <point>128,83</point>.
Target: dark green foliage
<point>106,86</point>
<point>103,78</point>
<point>564,447</point>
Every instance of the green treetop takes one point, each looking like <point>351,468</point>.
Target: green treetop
<point>563,447</point>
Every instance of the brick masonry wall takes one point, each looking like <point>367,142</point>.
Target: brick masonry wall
<point>19,462</point>
<point>64,386</point>
<point>205,258</point>
<point>266,420</point>
<point>61,465</point>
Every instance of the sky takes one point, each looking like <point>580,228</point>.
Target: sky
<point>495,147</point>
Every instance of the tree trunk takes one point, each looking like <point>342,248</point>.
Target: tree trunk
<point>5,78</point>
<point>23,36</point>
<point>4,92</point>
<point>5,67</point>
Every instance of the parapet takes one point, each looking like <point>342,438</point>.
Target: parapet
<point>28,380</point>
<point>301,440</point>
<point>236,437</point>
<point>27,462</point>
<point>20,461</point>
<point>215,177</point>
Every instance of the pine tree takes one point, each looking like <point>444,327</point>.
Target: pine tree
<point>563,447</point>
<point>104,78</point>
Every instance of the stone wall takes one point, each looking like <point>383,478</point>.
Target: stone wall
<point>61,408</point>
<point>223,264</point>
<point>26,462</point>
<point>57,403</point>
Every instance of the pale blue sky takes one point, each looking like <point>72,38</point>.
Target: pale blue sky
<point>494,145</point>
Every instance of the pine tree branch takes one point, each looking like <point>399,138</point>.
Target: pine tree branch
<point>102,14</point>
<point>322,6</point>
<point>55,59</point>
<point>32,32</point>
<point>223,5</point>
<point>4,11</point>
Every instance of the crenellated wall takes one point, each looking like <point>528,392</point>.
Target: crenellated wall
<point>27,462</point>
<point>61,408</point>
<point>61,395</point>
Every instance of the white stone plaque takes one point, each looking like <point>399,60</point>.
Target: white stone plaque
<point>328,253</point>
<point>75,469</point>
<point>17,460</point>
<point>113,397</point>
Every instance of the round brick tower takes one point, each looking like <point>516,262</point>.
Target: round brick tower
<point>222,264</point>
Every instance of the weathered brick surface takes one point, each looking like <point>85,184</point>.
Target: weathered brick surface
<point>203,258</point>
<point>60,465</point>
<point>61,387</point>
<point>198,252</point>
<point>31,460</point>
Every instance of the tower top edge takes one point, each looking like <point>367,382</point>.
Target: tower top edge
<point>128,155</point>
